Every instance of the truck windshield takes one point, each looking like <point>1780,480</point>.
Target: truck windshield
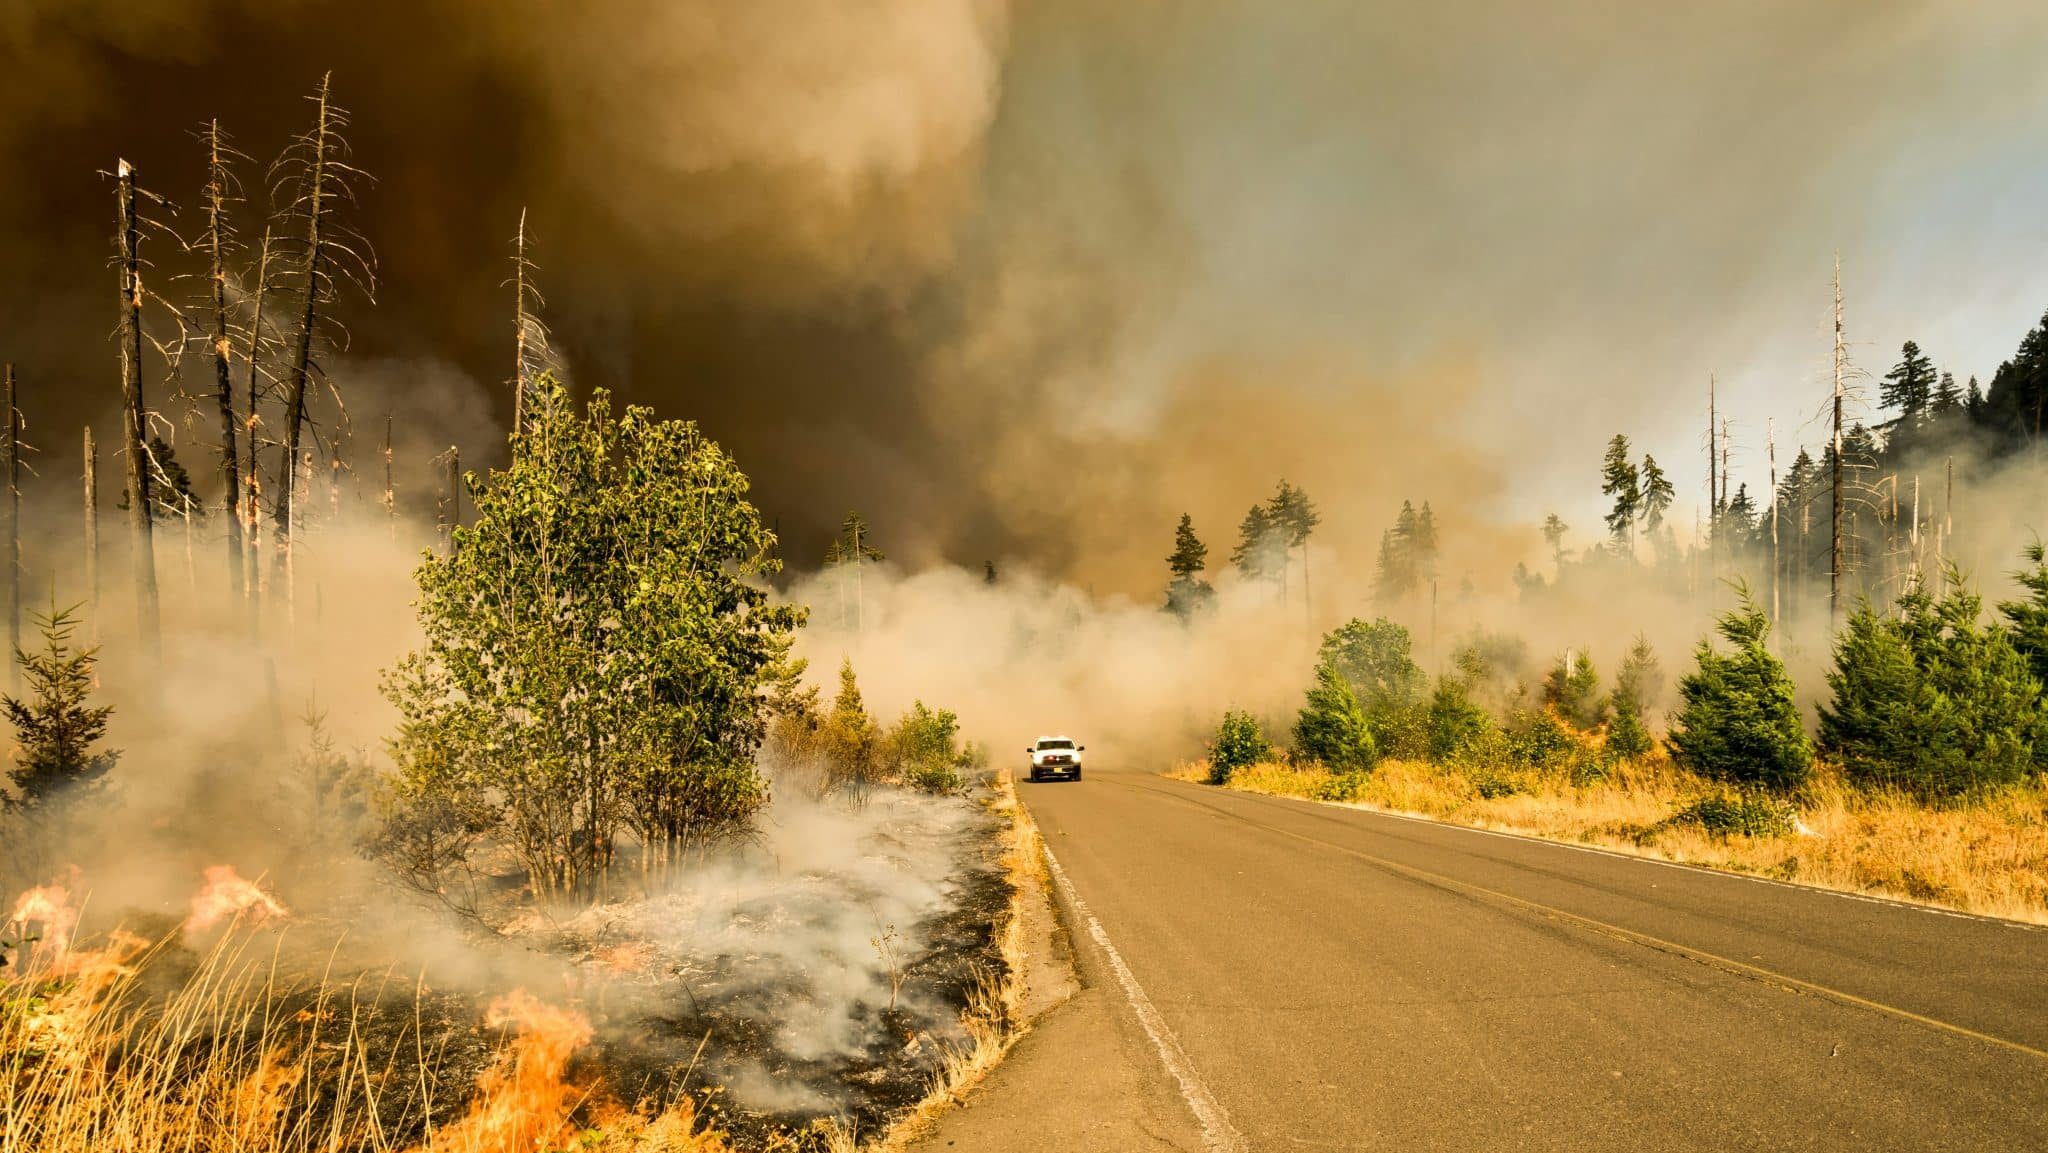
<point>1055,744</point>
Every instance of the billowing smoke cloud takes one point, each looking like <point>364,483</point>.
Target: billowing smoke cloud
<point>997,276</point>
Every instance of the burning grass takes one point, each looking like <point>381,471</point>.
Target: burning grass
<point>1989,857</point>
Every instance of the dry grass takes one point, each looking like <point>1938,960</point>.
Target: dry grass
<point>1990,857</point>
<point>233,1061</point>
<point>994,1016</point>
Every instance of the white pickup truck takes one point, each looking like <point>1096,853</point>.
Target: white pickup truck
<point>1055,757</point>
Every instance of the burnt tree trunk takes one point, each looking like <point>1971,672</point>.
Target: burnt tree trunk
<point>302,345</point>
<point>134,414</point>
<point>253,477</point>
<point>92,529</point>
<point>230,471</point>
<point>10,509</point>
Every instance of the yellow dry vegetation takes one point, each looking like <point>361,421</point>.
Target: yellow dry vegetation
<point>1989,856</point>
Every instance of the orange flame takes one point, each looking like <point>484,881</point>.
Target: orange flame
<point>46,912</point>
<point>227,895</point>
<point>522,1102</point>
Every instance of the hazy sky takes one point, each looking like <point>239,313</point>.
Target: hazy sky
<point>1027,282</point>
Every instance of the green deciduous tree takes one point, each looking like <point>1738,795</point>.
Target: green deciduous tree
<point>1332,728</point>
<point>1239,744</point>
<point>1738,721</point>
<point>1374,659</point>
<point>57,732</point>
<point>598,647</point>
<point>1930,699</point>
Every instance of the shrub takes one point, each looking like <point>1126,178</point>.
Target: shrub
<point>1748,813</point>
<point>1454,722</point>
<point>1573,689</point>
<point>1931,700</point>
<point>1539,741</point>
<point>1374,659</point>
<point>1239,744</point>
<point>2029,616</point>
<point>1491,782</point>
<point>926,749</point>
<point>1739,722</point>
<point>1345,786</point>
<point>1332,727</point>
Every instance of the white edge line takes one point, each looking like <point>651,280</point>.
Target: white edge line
<point>1686,866</point>
<point>1217,1132</point>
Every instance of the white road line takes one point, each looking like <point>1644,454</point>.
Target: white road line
<point>1217,1132</point>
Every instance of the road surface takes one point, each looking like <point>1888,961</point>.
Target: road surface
<point>1270,975</point>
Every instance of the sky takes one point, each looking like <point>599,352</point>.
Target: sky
<point>1025,282</point>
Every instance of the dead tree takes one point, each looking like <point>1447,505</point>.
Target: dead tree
<point>10,465</point>
<point>253,475</point>
<point>218,241</point>
<point>316,169</point>
<point>449,508</point>
<point>1771,452</point>
<point>1713,482</point>
<point>529,335</point>
<point>1835,469</point>
<point>92,528</point>
<point>134,413</point>
<point>390,494</point>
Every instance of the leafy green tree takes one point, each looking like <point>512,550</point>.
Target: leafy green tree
<point>56,730</point>
<point>1332,728</point>
<point>1620,482</point>
<point>2029,616</point>
<point>1657,494</point>
<point>1374,659</point>
<point>1909,386</point>
<point>1930,699</point>
<point>1407,557</point>
<point>1239,744</point>
<point>598,646</point>
<point>926,749</point>
<point>1187,593</point>
<point>1573,689</point>
<point>1738,721</point>
<point>1638,688</point>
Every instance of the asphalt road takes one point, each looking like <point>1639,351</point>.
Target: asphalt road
<point>1264,974</point>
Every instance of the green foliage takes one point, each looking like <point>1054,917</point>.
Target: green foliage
<point>1455,723</point>
<point>1374,659</point>
<point>926,748</point>
<point>1332,727</point>
<point>852,740</point>
<point>2028,617</point>
<point>1620,482</point>
<point>1909,386</point>
<point>1930,699</point>
<point>1188,593</point>
<point>1492,782</point>
<point>1292,514</point>
<point>598,647</point>
<point>1261,552</point>
<point>1738,721</point>
<point>1747,813</point>
<point>1638,687</point>
<point>1239,744</point>
<point>1573,689</point>
<point>1657,494</point>
<point>1408,552</point>
<point>56,731</point>
<point>1345,786</point>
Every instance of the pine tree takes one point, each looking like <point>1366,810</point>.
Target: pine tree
<point>1554,529</point>
<point>1187,593</point>
<point>1399,571</point>
<point>1638,688</point>
<point>1739,721</point>
<point>1973,401</point>
<point>1423,544</point>
<point>1948,397</point>
<point>55,728</point>
<point>1930,699</point>
<point>1620,482</point>
<point>1294,519</point>
<point>1332,728</point>
<point>1909,386</point>
<point>1657,494</point>
<point>2029,617</point>
<point>1261,545</point>
<point>1573,689</point>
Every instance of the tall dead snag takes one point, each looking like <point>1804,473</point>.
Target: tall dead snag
<point>10,510</point>
<point>217,242</point>
<point>390,494</point>
<point>252,474</point>
<point>318,173</point>
<point>134,415</point>
<point>1835,471</point>
<point>449,508</point>
<point>92,529</point>
<point>529,335</point>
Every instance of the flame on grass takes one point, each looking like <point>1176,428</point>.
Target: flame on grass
<point>227,895</point>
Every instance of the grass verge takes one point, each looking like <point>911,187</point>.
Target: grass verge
<point>1988,857</point>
